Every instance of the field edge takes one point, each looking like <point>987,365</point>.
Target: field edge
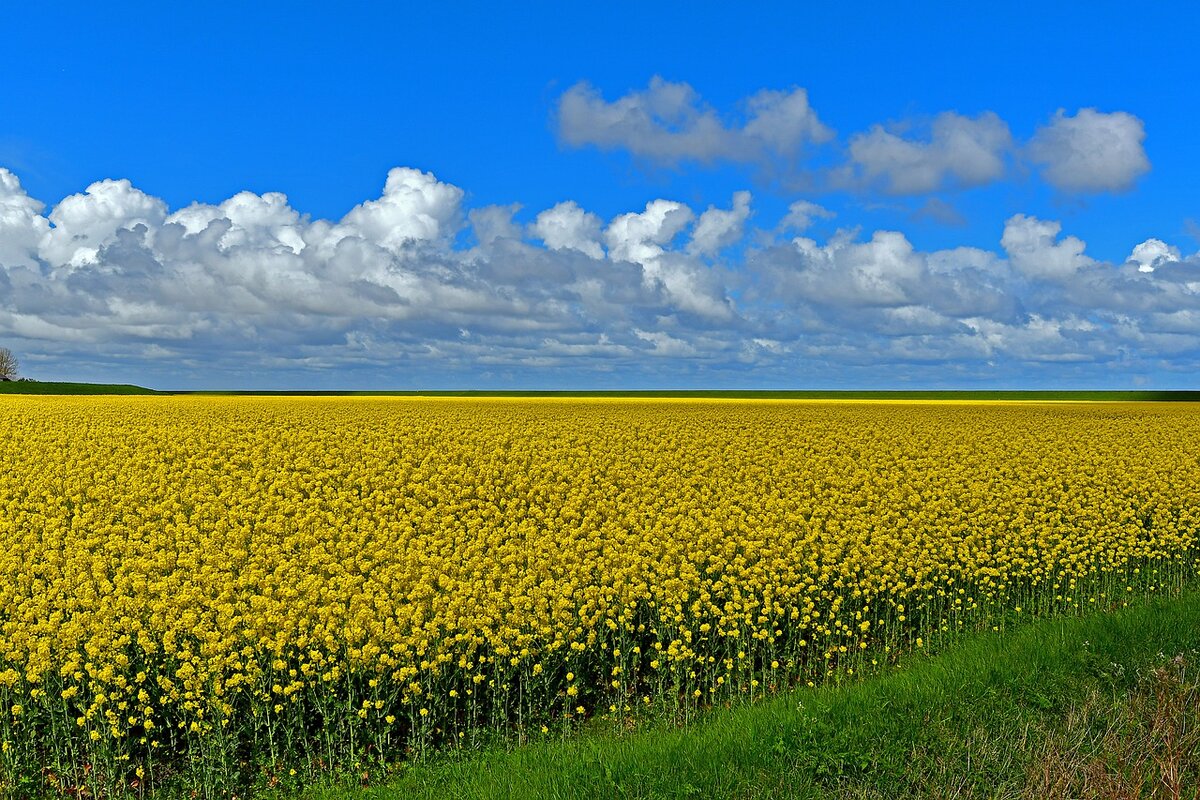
<point>972,720</point>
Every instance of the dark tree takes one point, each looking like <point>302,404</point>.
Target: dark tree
<point>8,365</point>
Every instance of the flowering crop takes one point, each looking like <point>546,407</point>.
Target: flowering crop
<point>229,590</point>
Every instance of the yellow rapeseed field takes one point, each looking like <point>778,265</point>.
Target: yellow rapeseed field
<point>232,590</point>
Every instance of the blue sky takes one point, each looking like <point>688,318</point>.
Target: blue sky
<point>937,195</point>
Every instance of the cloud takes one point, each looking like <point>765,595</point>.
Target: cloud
<point>1034,250</point>
<point>937,210</point>
<point>1153,253</point>
<point>22,227</point>
<point>252,280</point>
<point>261,220</point>
<point>493,223</point>
<point>783,121</point>
<point>665,344</point>
<point>415,206</point>
<point>646,238</point>
<point>718,228</point>
<point>801,214</point>
<point>884,283</point>
<point>1091,151</point>
<point>1038,339</point>
<point>642,236</point>
<point>959,151</point>
<point>83,223</point>
<point>250,291</point>
<point>880,272</point>
<point>667,123</point>
<point>566,226</point>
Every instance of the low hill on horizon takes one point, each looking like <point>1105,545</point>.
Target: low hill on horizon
<point>65,388</point>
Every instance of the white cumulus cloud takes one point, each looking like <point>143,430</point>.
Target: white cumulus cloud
<point>83,223</point>
<point>668,122</point>
<point>718,227</point>
<point>801,214</point>
<point>566,226</point>
<point>22,226</point>
<point>665,344</point>
<point>493,223</point>
<point>775,131</point>
<point>415,206</point>
<point>783,121</point>
<point>249,289</point>
<point>959,150</point>
<point>1153,253</point>
<point>885,271</point>
<point>1091,151</point>
<point>1034,249</point>
<point>266,220</point>
<point>642,236</point>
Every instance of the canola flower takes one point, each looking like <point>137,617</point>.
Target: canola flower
<point>228,591</point>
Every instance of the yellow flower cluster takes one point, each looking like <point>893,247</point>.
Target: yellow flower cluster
<point>205,583</point>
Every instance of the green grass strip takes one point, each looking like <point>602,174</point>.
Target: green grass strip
<point>739,394</point>
<point>60,388</point>
<point>56,388</point>
<point>969,722</point>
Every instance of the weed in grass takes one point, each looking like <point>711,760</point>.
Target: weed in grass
<point>1140,743</point>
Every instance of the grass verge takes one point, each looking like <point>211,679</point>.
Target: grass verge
<point>1106,705</point>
